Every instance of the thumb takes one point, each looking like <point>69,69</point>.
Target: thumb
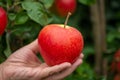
<point>33,46</point>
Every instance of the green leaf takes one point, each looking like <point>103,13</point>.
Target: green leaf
<point>88,50</point>
<point>85,71</point>
<point>48,3</point>
<point>0,3</point>
<point>21,18</point>
<point>87,2</point>
<point>112,35</point>
<point>11,16</point>
<point>9,2</point>
<point>36,12</point>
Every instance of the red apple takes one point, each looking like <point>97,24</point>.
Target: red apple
<point>3,20</point>
<point>117,55</point>
<point>60,44</point>
<point>115,66</point>
<point>118,67</point>
<point>65,6</point>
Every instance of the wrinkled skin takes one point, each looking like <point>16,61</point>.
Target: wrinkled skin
<point>24,65</point>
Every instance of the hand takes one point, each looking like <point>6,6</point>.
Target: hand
<point>24,65</point>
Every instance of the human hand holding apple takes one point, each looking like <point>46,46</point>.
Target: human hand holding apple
<point>3,20</point>
<point>60,43</point>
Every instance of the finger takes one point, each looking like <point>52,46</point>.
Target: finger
<point>33,46</point>
<point>55,69</point>
<point>81,56</point>
<point>66,72</point>
<point>72,68</point>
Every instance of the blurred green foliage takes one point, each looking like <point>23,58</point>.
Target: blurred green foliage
<point>28,17</point>
<point>87,2</point>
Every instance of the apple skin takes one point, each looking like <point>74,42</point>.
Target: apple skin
<point>65,6</point>
<point>3,20</point>
<point>115,66</point>
<point>58,44</point>
<point>117,54</point>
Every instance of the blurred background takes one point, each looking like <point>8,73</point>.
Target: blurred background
<point>97,20</point>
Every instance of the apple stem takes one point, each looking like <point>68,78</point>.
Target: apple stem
<point>66,21</point>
